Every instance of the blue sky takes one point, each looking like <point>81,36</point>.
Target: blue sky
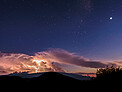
<point>80,26</point>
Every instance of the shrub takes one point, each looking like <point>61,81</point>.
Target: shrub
<point>109,73</point>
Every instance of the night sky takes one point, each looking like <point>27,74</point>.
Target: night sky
<point>91,28</point>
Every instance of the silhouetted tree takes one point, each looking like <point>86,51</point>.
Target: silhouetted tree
<point>109,73</point>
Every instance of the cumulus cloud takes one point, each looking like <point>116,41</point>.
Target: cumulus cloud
<point>63,56</point>
<point>44,61</point>
<point>2,70</point>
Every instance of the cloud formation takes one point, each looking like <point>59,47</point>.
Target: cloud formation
<point>63,56</point>
<point>118,63</point>
<point>44,61</point>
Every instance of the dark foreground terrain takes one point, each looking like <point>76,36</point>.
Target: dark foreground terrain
<point>56,82</point>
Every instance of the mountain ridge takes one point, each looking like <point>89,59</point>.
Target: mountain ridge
<point>55,82</point>
<point>71,75</point>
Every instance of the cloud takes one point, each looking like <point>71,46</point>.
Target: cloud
<point>63,56</point>
<point>118,63</point>
<point>50,60</point>
<point>2,70</point>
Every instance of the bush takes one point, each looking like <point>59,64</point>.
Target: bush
<point>109,73</point>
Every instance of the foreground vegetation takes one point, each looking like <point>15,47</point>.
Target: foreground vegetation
<point>106,80</point>
<point>109,73</point>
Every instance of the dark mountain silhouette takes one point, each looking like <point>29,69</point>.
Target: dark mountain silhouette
<point>56,82</point>
<point>71,75</point>
<point>51,76</point>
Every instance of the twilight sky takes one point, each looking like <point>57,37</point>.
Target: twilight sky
<point>90,28</point>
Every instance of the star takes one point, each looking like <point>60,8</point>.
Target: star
<point>111,18</point>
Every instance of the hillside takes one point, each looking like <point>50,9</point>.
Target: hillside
<point>55,82</point>
<point>32,75</point>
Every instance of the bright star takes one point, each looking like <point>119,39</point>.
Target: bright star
<point>111,18</point>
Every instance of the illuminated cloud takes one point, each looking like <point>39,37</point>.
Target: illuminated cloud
<point>45,61</point>
<point>118,63</point>
<point>63,56</point>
